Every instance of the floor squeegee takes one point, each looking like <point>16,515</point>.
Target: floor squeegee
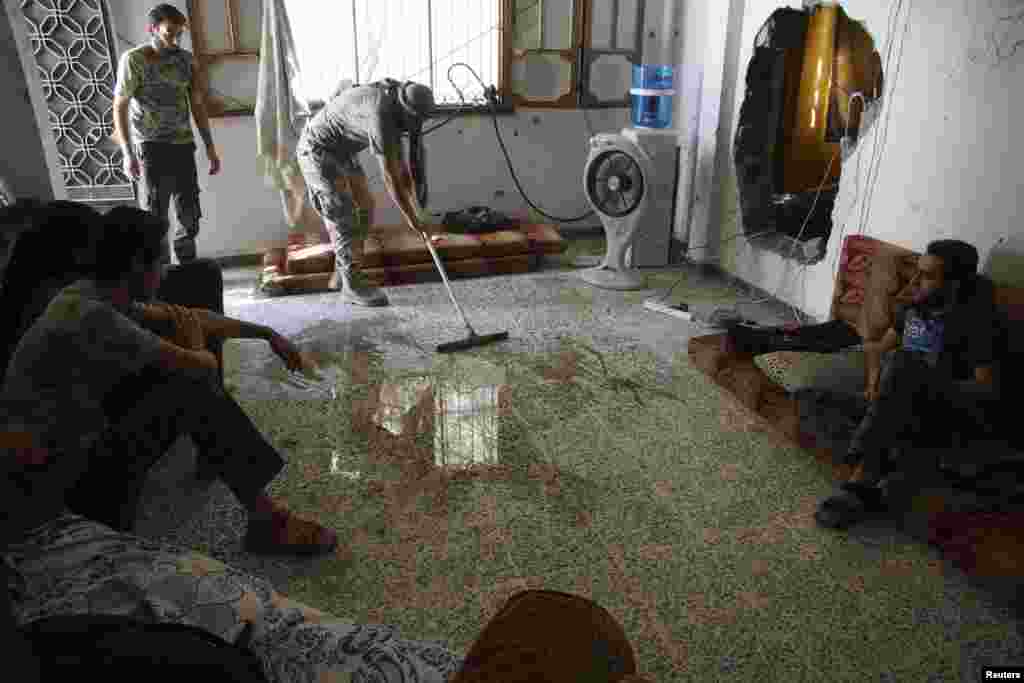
<point>474,339</point>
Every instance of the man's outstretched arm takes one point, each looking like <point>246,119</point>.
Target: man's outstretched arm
<point>160,319</point>
<point>225,328</point>
<point>213,324</point>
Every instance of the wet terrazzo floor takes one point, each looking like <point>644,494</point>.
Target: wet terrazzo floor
<point>586,455</point>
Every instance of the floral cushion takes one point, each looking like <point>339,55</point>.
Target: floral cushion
<point>796,370</point>
<point>872,274</point>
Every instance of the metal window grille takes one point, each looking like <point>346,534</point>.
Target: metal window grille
<point>405,39</point>
<point>73,50</point>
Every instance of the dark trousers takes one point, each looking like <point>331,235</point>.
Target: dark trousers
<point>169,174</point>
<point>147,414</point>
<point>919,405</point>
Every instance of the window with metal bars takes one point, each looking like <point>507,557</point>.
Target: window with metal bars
<point>354,40</point>
<point>572,53</point>
<point>536,53</point>
<point>420,40</point>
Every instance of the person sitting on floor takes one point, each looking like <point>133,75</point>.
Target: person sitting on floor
<point>33,269</point>
<point>59,563</point>
<point>939,375</point>
<point>108,397</point>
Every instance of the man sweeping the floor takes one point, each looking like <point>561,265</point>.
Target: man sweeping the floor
<point>371,116</point>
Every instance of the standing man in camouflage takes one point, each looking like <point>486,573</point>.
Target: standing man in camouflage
<point>158,86</point>
<point>373,116</point>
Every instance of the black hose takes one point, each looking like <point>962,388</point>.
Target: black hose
<point>490,97</point>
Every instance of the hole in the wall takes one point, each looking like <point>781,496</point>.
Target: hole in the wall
<point>815,78</point>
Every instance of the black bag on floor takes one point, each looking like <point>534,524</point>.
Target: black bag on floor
<point>476,220</point>
<point>829,337</point>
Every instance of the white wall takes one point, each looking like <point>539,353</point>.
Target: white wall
<point>690,88</point>
<point>242,215</point>
<point>949,163</point>
<point>713,36</point>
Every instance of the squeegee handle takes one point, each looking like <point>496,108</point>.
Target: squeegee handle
<point>447,285</point>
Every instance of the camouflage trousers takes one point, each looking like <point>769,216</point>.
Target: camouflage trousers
<point>348,225</point>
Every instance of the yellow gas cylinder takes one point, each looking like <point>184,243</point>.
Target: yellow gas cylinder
<point>807,154</point>
<point>838,60</point>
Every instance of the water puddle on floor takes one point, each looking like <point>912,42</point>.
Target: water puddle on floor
<point>450,420</point>
<point>452,409</point>
<point>373,418</point>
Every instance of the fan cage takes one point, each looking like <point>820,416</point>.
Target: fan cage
<point>609,164</point>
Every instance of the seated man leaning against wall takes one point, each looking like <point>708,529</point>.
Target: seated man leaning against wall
<point>932,371</point>
<point>95,388</point>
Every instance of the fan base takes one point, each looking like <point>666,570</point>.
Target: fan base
<point>607,278</point>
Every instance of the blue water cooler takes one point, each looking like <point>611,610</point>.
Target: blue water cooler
<point>652,94</point>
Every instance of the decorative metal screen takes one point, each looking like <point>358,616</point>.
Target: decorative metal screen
<point>73,50</point>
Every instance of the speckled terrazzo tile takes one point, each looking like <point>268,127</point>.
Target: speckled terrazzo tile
<point>584,454</point>
<point>616,497</point>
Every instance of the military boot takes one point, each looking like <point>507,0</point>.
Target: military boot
<point>348,277</point>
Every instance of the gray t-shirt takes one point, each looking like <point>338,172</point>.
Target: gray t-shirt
<point>353,120</point>
<point>160,88</point>
<point>67,362</point>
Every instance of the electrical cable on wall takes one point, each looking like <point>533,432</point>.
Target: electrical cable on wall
<point>888,113</point>
<point>876,154</point>
<point>881,134</point>
<point>891,77</point>
<point>508,159</point>
<point>856,180</point>
<point>491,96</point>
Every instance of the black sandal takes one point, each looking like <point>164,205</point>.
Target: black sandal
<point>855,503</point>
